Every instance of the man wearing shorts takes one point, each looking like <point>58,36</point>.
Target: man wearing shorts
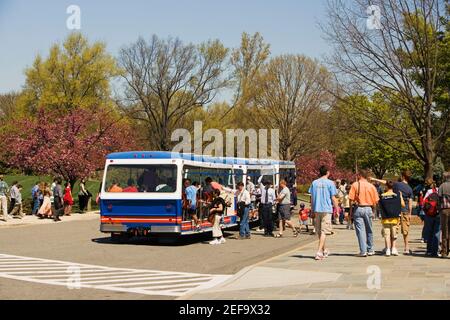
<point>323,198</point>
<point>284,209</point>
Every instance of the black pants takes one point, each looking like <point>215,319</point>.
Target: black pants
<point>58,207</point>
<point>83,201</point>
<point>11,205</point>
<point>267,218</point>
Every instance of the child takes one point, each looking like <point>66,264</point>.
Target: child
<point>303,215</point>
<point>17,211</point>
<point>346,205</point>
<point>391,205</point>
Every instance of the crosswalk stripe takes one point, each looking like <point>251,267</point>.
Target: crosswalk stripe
<point>140,281</point>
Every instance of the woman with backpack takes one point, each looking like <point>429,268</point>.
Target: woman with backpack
<point>432,226</point>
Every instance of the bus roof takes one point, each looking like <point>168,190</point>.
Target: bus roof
<point>192,157</point>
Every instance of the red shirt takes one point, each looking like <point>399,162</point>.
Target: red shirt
<point>130,189</point>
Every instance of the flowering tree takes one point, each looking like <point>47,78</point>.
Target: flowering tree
<point>308,167</point>
<point>72,145</point>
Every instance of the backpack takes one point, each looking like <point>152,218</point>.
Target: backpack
<point>430,204</point>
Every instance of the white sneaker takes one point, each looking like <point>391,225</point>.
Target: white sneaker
<point>388,252</point>
<point>394,252</point>
<point>371,253</point>
<point>214,242</point>
<point>326,253</point>
<point>222,240</point>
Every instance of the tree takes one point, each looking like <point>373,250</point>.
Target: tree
<point>400,60</point>
<point>247,62</point>
<point>166,79</point>
<point>8,104</point>
<point>292,95</point>
<point>75,75</point>
<point>72,146</point>
<point>308,167</point>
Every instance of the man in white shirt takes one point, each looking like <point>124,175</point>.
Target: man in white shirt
<point>268,198</point>
<point>243,204</point>
<point>13,194</point>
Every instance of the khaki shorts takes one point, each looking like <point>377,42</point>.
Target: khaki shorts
<point>322,224</point>
<point>390,231</point>
<point>404,223</point>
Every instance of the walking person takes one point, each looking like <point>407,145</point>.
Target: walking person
<point>284,209</point>
<point>346,206</point>
<point>3,199</point>
<point>268,198</point>
<point>216,211</point>
<point>243,203</point>
<point>68,199</point>
<point>390,205</point>
<point>365,197</point>
<point>45,211</point>
<point>35,198</point>
<point>404,188</point>
<point>58,203</point>
<point>444,207</point>
<point>250,187</point>
<point>304,215</point>
<point>432,223</point>
<point>84,195</point>
<point>323,199</point>
<point>13,196</point>
<point>17,211</point>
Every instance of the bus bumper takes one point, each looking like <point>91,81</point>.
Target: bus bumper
<point>105,227</point>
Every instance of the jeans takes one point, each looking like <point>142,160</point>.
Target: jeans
<point>445,224</point>
<point>362,218</point>
<point>244,228</point>
<point>35,206</point>
<point>432,233</point>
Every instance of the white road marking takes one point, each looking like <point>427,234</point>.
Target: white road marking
<point>147,282</point>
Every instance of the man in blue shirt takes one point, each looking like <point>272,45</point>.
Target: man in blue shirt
<point>323,197</point>
<point>191,197</point>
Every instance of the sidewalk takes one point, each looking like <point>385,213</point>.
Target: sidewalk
<point>33,220</point>
<point>296,275</point>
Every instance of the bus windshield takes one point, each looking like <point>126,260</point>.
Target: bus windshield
<point>141,178</point>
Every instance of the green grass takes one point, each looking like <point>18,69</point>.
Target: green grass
<point>28,182</point>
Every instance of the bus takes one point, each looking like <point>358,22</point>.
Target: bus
<point>142,192</point>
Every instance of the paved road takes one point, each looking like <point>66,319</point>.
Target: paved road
<point>34,261</point>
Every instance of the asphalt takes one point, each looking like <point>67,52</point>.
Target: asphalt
<point>79,241</point>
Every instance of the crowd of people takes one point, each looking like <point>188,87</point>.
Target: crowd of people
<point>369,199</point>
<point>357,204</point>
<point>48,201</point>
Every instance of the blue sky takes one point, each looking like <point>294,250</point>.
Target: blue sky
<point>31,27</point>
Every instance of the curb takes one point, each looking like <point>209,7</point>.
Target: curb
<point>247,269</point>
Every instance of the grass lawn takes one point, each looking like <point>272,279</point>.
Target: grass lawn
<point>28,182</point>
